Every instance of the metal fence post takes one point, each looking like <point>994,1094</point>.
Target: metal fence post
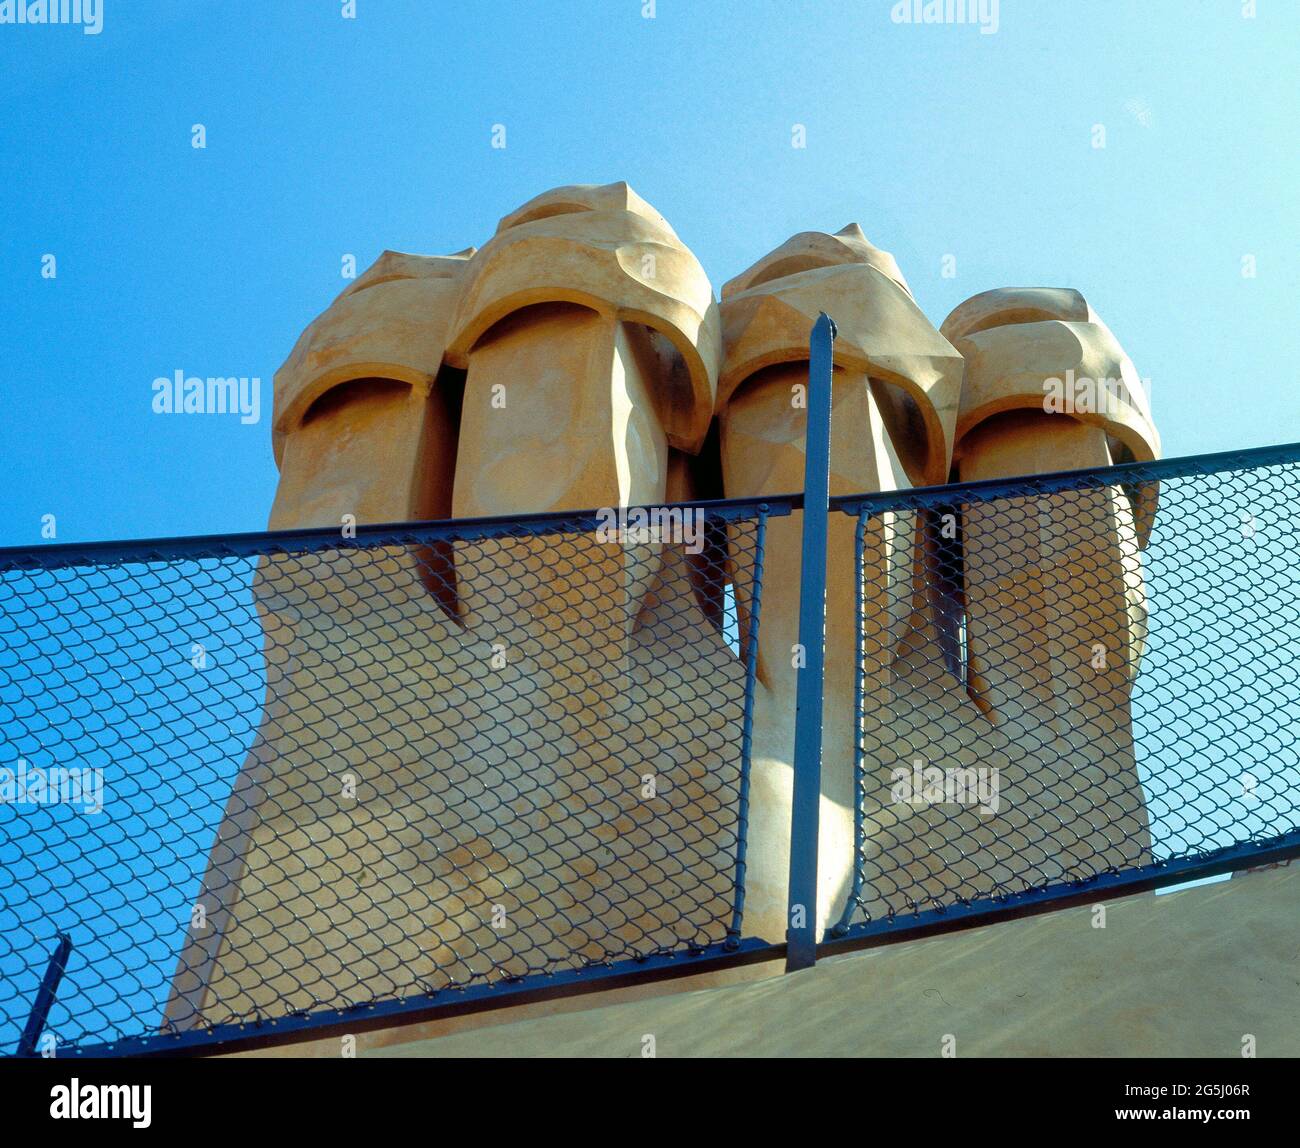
<point>801,922</point>
<point>45,996</point>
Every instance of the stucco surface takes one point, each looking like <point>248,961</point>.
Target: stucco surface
<point>1184,974</point>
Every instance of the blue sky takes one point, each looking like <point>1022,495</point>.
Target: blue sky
<point>328,136</point>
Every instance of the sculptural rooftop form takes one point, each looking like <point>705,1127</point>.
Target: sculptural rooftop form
<point>579,359</point>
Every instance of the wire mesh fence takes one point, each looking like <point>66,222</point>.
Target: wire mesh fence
<point>275,779</point>
<point>1073,678</point>
<point>268,775</point>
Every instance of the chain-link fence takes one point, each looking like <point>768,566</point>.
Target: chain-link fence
<point>280,781</point>
<point>274,776</point>
<point>1073,680</point>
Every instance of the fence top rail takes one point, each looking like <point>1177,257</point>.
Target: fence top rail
<point>62,555</point>
<point>1118,474</point>
<point>255,543</point>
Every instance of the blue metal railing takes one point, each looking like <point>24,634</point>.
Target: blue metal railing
<point>556,732</point>
<point>1133,683</point>
<point>497,692</point>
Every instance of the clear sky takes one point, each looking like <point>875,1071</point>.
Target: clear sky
<point>328,136</point>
